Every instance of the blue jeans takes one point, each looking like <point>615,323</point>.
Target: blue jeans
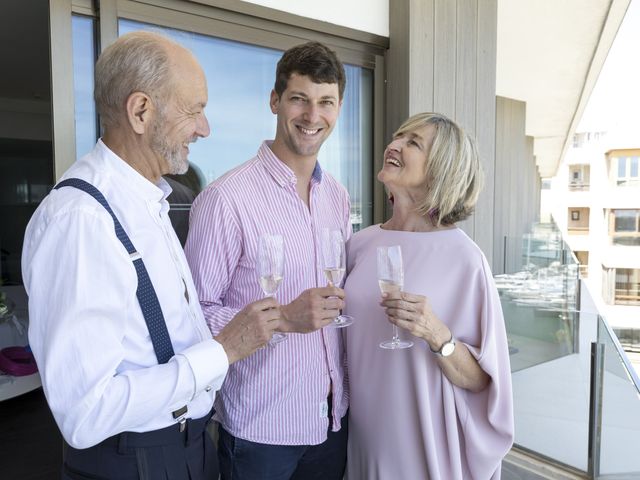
<point>244,460</point>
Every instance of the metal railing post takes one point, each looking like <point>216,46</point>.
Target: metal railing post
<point>595,408</point>
<point>504,254</point>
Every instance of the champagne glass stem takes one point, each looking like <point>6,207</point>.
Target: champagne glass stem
<point>396,334</point>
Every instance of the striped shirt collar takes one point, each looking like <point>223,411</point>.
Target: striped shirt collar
<point>280,172</point>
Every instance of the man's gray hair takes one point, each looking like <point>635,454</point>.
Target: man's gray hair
<point>135,62</point>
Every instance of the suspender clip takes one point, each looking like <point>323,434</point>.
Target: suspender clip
<point>181,416</point>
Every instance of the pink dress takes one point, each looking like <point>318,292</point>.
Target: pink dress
<point>407,421</point>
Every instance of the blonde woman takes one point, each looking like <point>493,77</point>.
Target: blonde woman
<point>443,408</point>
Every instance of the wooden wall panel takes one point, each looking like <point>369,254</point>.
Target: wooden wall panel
<point>485,130</point>
<point>442,58</point>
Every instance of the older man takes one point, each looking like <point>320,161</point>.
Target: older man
<point>128,365</point>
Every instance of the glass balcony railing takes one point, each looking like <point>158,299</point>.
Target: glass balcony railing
<point>576,395</point>
<point>617,409</point>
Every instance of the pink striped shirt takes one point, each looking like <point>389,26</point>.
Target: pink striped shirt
<point>278,395</point>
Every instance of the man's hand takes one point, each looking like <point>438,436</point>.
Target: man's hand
<point>250,329</point>
<point>312,310</point>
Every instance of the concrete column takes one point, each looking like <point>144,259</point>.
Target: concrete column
<point>517,185</point>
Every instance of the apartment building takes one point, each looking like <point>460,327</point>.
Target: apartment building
<point>596,204</point>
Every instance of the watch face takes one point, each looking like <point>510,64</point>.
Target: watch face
<point>447,349</point>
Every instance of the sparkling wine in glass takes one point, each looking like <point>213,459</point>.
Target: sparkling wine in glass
<point>391,279</point>
<point>334,264</point>
<point>270,264</point>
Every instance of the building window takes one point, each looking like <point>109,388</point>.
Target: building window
<point>628,171</point>
<point>624,227</point>
<point>627,286</point>
<point>578,220</point>
<point>579,177</point>
<point>583,262</point>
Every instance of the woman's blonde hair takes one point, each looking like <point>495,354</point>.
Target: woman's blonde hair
<point>453,172</point>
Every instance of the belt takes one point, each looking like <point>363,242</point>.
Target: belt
<point>172,435</point>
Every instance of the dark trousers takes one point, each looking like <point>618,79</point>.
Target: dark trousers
<point>244,460</point>
<point>160,454</point>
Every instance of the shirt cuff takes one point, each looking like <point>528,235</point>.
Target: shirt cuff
<point>209,365</point>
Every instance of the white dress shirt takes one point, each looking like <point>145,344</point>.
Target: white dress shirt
<point>86,329</point>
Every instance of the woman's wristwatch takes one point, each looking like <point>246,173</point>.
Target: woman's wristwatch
<point>446,349</point>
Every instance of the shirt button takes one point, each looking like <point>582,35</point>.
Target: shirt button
<point>208,389</point>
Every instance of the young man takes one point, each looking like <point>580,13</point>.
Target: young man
<point>282,410</point>
<point>127,363</point>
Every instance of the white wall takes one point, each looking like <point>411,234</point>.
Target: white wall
<point>367,15</point>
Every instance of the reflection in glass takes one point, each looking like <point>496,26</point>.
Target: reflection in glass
<point>620,410</point>
<point>83,62</point>
<point>622,166</point>
<point>240,78</point>
<point>625,220</point>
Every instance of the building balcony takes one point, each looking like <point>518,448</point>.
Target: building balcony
<point>576,394</point>
<point>578,230</point>
<point>578,187</point>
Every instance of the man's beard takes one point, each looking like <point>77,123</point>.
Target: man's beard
<point>171,153</point>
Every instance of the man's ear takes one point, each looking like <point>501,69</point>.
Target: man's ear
<point>274,101</point>
<point>139,112</point>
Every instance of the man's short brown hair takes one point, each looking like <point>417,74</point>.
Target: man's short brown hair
<point>314,60</point>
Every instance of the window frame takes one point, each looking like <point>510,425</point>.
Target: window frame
<point>612,225</point>
<point>629,296</point>
<point>626,180</point>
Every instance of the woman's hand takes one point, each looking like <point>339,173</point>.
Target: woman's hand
<point>413,313</point>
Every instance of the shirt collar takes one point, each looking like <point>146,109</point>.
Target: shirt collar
<point>147,190</point>
<point>280,172</point>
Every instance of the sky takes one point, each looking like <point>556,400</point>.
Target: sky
<point>614,104</point>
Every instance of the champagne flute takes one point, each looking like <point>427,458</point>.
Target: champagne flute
<point>391,279</point>
<point>271,270</point>
<point>332,249</point>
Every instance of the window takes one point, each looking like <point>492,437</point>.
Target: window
<point>627,171</point>
<point>624,226</point>
<point>82,29</point>
<point>583,262</point>
<point>240,77</point>
<point>627,286</point>
<point>579,177</point>
<point>578,220</point>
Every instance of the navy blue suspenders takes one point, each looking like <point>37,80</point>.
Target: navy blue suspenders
<point>145,292</point>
